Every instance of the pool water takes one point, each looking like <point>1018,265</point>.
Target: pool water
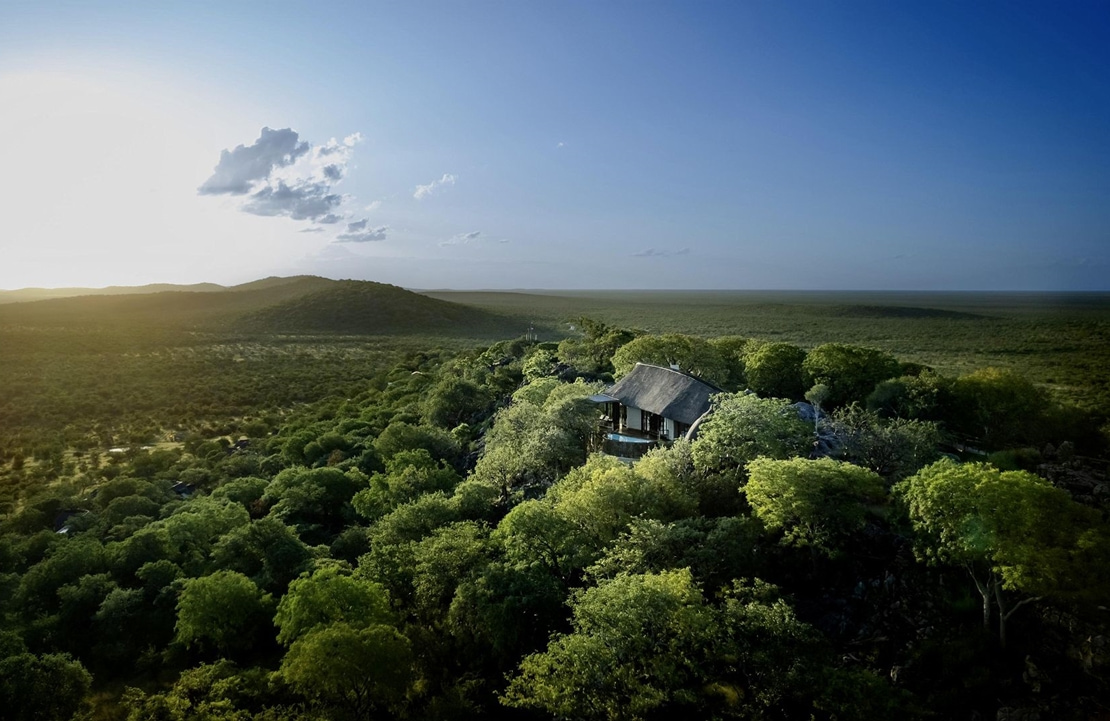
<point>628,439</point>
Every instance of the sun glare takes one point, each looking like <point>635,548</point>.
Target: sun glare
<point>104,184</point>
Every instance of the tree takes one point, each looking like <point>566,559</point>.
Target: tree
<point>544,433</point>
<point>393,540</point>
<point>923,397</point>
<point>400,436</point>
<point>591,354</point>
<point>850,372</point>
<point>716,550</point>
<point>359,670</point>
<point>267,551</point>
<point>408,475</point>
<point>733,348</point>
<point>1010,530</point>
<point>632,651</point>
<point>211,691</point>
<point>817,395</point>
<point>582,513</point>
<point>506,610</point>
<point>444,560</point>
<point>816,503</point>
<point>743,427</point>
<point>775,370</point>
<point>330,594</point>
<point>894,449</point>
<point>1001,408</point>
<point>535,535</point>
<point>603,496</point>
<point>42,688</point>
<point>651,646</point>
<point>224,612</point>
<point>65,563</point>
<point>317,501</point>
<point>455,400</point>
<point>540,363</point>
<point>691,354</point>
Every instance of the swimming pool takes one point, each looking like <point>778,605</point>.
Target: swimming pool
<point>627,439</point>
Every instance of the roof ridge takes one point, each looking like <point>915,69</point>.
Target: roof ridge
<point>681,373</point>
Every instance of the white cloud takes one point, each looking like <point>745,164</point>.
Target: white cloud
<point>360,232</point>
<point>284,176</point>
<point>463,238</point>
<point>423,191</point>
<point>474,237</point>
<point>653,253</point>
<point>372,206</point>
<point>239,170</point>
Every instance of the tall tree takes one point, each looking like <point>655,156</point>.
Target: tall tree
<point>1018,537</point>
<point>849,371</point>
<point>815,503</point>
<point>224,612</point>
<point>743,427</point>
<point>774,370</point>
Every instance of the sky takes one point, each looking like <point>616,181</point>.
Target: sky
<point>524,144</point>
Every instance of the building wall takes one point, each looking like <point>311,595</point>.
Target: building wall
<point>633,418</point>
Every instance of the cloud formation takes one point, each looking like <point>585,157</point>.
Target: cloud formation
<point>474,237</point>
<point>423,191</point>
<point>240,169</point>
<point>653,253</point>
<point>360,232</point>
<point>463,238</point>
<point>282,175</point>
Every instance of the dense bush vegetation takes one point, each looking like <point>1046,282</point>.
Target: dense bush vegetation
<point>434,537</point>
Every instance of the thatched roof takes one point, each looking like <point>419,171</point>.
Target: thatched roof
<point>665,392</point>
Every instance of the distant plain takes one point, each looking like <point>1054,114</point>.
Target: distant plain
<point>133,362</point>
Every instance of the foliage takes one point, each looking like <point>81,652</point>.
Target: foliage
<point>1000,407</point>
<point>592,353</point>
<point>267,551</point>
<point>815,503</point>
<point>41,688</point>
<point>920,397</point>
<point>849,371</point>
<point>744,427</point>
<point>1011,530</point>
<point>358,670</point>
<point>691,354</point>
<point>313,499</point>
<point>649,644</point>
<point>774,370</point>
<point>273,442</point>
<point>533,441</point>
<point>716,550</point>
<point>894,448</point>
<point>408,475</point>
<point>212,691</point>
<point>224,612</point>
<point>328,595</point>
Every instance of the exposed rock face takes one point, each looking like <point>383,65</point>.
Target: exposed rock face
<point>825,443</point>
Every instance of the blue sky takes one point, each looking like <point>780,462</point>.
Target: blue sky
<point>811,145</point>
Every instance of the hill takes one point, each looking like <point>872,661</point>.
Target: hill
<point>302,304</point>
<point>31,294</point>
<point>366,308</point>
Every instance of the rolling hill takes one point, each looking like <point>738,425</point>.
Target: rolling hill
<point>301,305</point>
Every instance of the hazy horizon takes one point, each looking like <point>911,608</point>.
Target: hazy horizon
<point>573,146</point>
<point>603,291</point>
